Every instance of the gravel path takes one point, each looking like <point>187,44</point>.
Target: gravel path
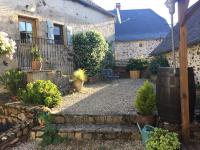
<point>102,98</point>
<point>86,145</point>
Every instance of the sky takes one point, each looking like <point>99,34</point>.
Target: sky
<point>156,5</point>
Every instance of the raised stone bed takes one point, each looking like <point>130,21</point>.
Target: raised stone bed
<point>22,119</point>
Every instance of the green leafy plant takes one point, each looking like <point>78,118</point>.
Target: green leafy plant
<point>109,60</point>
<point>44,117</point>
<point>145,99</point>
<point>80,74</point>
<point>157,62</point>
<point>42,92</point>
<point>136,64</point>
<point>13,80</point>
<point>50,135</point>
<point>35,53</point>
<point>90,49</point>
<point>161,139</point>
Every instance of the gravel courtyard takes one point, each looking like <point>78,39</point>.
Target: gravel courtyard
<point>102,98</point>
<point>85,145</point>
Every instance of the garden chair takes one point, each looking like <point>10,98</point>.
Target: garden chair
<point>107,74</point>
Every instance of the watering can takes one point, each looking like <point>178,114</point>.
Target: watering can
<point>145,131</point>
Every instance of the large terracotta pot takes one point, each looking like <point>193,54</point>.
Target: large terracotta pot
<point>78,84</point>
<point>36,65</point>
<point>146,119</point>
<point>134,74</point>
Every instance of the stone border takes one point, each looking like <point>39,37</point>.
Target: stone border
<point>24,118</point>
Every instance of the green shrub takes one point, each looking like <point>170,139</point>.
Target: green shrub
<point>109,60</point>
<point>13,80</point>
<point>80,74</point>
<point>157,62</point>
<point>90,49</point>
<point>50,135</point>
<point>145,99</point>
<point>43,93</point>
<point>198,86</point>
<point>161,139</point>
<point>136,64</point>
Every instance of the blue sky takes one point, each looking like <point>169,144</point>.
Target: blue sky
<point>157,5</point>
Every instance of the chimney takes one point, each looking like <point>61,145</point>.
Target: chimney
<point>118,6</point>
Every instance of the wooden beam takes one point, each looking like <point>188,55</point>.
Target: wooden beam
<point>182,8</point>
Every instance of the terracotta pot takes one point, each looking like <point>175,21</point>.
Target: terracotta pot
<point>146,119</point>
<point>36,65</point>
<point>134,74</point>
<point>78,84</point>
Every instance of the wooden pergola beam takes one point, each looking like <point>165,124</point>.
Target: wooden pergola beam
<point>183,60</point>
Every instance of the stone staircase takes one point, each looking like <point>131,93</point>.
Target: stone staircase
<point>92,127</point>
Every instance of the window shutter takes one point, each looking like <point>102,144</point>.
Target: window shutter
<point>50,30</point>
<point>69,36</point>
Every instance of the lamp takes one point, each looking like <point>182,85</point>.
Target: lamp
<point>170,4</point>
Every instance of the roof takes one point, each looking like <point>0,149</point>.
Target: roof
<point>193,32</point>
<point>140,24</point>
<point>94,6</point>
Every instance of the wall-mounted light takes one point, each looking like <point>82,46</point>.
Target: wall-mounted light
<point>31,8</point>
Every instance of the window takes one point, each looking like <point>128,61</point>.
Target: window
<point>58,34</point>
<point>27,28</point>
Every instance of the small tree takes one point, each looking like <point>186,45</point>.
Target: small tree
<point>145,99</point>
<point>90,49</point>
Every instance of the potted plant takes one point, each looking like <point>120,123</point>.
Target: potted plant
<point>43,119</point>
<point>145,103</point>
<point>36,58</point>
<point>79,77</point>
<point>160,139</point>
<point>155,64</point>
<point>135,66</point>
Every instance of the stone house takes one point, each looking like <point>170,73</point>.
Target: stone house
<point>193,41</point>
<point>50,24</point>
<point>138,34</point>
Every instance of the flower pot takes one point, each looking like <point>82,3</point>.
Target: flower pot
<point>36,65</point>
<point>78,84</point>
<point>134,74</point>
<point>146,119</point>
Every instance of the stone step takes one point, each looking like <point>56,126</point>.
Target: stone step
<point>121,119</point>
<point>91,132</point>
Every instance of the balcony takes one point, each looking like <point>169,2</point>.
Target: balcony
<point>56,56</point>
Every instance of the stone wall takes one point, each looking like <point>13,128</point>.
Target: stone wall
<point>134,49</point>
<point>22,119</point>
<point>67,13</point>
<point>193,60</point>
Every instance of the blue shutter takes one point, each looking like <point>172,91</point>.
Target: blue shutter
<point>50,30</point>
<point>69,36</point>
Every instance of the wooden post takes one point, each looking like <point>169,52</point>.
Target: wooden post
<point>182,8</point>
